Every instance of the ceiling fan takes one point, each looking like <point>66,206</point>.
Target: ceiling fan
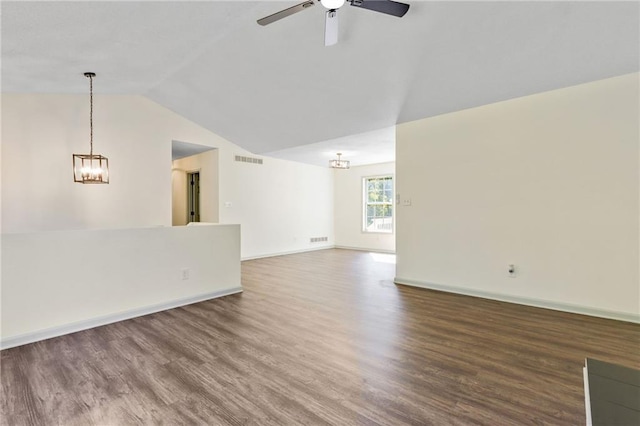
<point>388,7</point>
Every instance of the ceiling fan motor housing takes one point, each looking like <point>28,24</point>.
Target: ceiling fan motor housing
<point>332,4</point>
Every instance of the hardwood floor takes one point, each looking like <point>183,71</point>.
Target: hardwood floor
<point>318,338</point>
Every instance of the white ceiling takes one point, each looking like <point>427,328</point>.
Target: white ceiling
<point>273,89</point>
<point>378,146</point>
<point>185,149</point>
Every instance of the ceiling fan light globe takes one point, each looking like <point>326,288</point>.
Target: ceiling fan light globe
<point>332,4</point>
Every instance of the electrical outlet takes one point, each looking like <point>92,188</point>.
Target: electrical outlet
<point>406,201</point>
<point>512,270</point>
<point>185,274</point>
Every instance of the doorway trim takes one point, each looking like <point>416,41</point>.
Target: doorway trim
<point>193,195</point>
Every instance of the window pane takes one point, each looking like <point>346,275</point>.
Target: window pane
<point>378,204</point>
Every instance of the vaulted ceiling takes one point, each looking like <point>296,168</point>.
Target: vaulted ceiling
<point>277,88</point>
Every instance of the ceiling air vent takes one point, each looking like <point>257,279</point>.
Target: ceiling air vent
<point>251,160</point>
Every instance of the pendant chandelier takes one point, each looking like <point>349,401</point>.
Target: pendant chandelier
<point>339,164</point>
<point>90,168</point>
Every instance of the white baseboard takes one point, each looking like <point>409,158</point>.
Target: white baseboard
<point>284,253</point>
<point>539,303</point>
<point>369,250</point>
<point>49,333</point>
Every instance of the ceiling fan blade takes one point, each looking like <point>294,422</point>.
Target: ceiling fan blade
<point>388,7</point>
<point>331,28</point>
<point>286,12</point>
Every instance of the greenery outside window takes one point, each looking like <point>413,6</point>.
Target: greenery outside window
<point>378,204</point>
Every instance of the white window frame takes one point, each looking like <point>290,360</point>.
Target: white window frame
<point>365,204</point>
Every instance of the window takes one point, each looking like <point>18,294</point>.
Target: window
<point>378,204</point>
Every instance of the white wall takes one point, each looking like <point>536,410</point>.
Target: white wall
<point>548,182</point>
<point>59,282</point>
<point>39,134</point>
<point>349,209</point>
<point>206,164</point>
<point>279,205</point>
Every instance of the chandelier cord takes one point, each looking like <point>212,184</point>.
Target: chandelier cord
<point>91,116</point>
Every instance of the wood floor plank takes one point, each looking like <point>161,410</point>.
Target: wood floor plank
<point>318,338</point>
